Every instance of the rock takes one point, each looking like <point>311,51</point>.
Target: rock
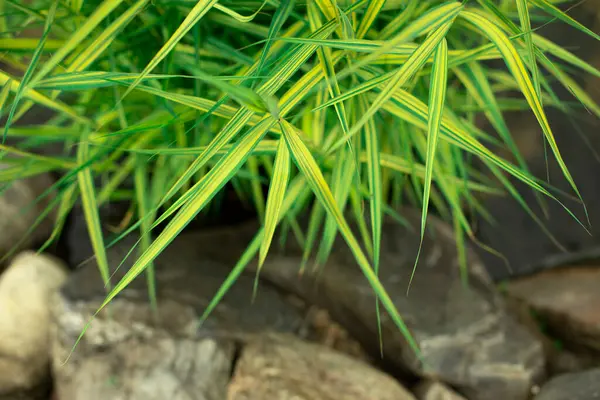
<point>133,353</point>
<point>574,386</point>
<point>333,335</point>
<point>561,357</point>
<point>26,288</point>
<point>283,367</point>
<point>567,301</point>
<point>18,212</point>
<point>465,335</point>
<point>432,390</point>
<point>147,364</point>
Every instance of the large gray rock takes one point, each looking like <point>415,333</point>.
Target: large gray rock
<point>129,358</point>
<point>561,356</point>
<point>26,288</point>
<point>132,353</point>
<point>283,367</point>
<point>19,209</point>
<point>574,386</point>
<point>432,390</point>
<point>465,335</point>
<point>567,300</point>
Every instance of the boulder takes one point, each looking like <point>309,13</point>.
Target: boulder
<point>19,209</point>
<point>284,367</point>
<point>567,301</point>
<point>432,390</point>
<point>584,385</point>
<point>561,357</point>
<point>132,352</point>
<point>26,288</point>
<point>464,333</point>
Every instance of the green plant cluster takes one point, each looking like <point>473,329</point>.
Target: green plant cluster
<point>331,109</point>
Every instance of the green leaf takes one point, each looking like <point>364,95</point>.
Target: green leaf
<point>281,174</point>
<point>437,98</point>
<point>523,10</point>
<point>39,98</point>
<point>237,16</point>
<point>28,44</point>
<point>142,193</point>
<point>90,210</point>
<point>373,10</point>
<point>281,15</point>
<point>3,97</point>
<point>563,54</point>
<point>27,76</point>
<point>375,196</point>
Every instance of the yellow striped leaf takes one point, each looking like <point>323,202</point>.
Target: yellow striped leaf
<point>195,14</point>
<point>140,177</point>
<point>237,16</point>
<point>90,210</point>
<point>41,99</point>
<point>373,10</point>
<point>523,11</point>
<point>437,98</point>
<point>4,96</point>
<point>279,181</point>
<point>27,44</point>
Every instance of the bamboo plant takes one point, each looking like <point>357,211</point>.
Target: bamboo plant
<point>336,110</point>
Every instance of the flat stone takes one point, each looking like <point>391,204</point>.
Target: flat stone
<point>146,365</point>
<point>432,390</point>
<point>130,352</point>
<point>284,367</point>
<point>560,358</point>
<point>465,335</point>
<point>26,288</point>
<point>567,300</point>
<point>19,211</point>
<point>574,386</point>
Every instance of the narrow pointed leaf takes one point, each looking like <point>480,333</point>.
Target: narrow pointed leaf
<point>281,174</point>
<point>90,209</point>
<point>195,14</point>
